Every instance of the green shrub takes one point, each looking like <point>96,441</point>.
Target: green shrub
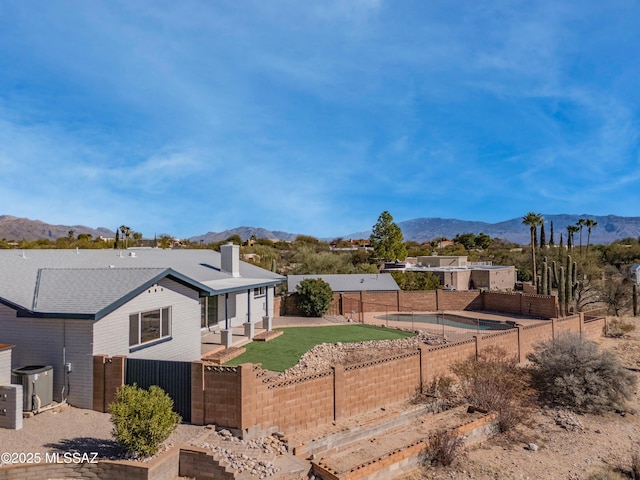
<point>573,373</point>
<point>142,419</point>
<point>314,297</point>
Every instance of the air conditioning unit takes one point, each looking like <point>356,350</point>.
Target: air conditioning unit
<point>37,385</point>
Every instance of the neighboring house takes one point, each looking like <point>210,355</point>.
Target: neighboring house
<point>455,273</point>
<point>635,273</point>
<point>62,307</point>
<point>356,282</point>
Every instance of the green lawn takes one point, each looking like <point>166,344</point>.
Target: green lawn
<point>284,351</point>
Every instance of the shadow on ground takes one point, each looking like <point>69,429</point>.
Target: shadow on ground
<point>104,448</point>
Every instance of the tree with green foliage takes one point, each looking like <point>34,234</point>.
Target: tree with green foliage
<point>571,230</point>
<point>482,241</point>
<point>582,222</point>
<point>416,280</point>
<point>533,221</point>
<point>142,419</point>
<point>467,240</point>
<point>386,239</point>
<point>574,373</point>
<point>235,239</point>
<point>314,297</point>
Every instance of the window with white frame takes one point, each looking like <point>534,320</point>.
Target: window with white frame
<point>148,326</point>
<point>259,292</point>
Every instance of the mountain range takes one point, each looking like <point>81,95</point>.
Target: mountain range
<point>14,228</point>
<point>608,229</point>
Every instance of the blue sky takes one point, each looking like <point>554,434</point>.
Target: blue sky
<point>313,117</point>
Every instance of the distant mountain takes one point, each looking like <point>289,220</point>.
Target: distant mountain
<point>244,233</point>
<point>14,228</point>
<point>609,229</point>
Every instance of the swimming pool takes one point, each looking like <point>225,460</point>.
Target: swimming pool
<point>447,320</point>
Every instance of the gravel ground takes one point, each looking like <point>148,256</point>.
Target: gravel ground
<point>73,429</point>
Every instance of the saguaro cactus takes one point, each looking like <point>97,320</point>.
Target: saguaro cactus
<point>561,292</point>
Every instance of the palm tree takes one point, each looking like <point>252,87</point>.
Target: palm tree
<point>126,233</point>
<point>581,223</point>
<point>533,220</point>
<point>590,223</point>
<point>571,229</point>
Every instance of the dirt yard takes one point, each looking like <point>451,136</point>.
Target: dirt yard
<point>571,447</point>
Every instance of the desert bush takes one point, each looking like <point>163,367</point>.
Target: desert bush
<point>618,328</point>
<point>439,394</point>
<point>606,473</point>
<point>574,373</point>
<point>494,382</point>
<point>314,297</point>
<point>142,419</point>
<point>443,448</point>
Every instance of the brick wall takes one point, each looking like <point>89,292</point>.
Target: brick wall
<point>164,467</point>
<point>455,300</point>
<point>436,360</point>
<point>246,399</point>
<point>594,327</point>
<point>538,306</point>
<point>300,403</point>
<point>108,376</point>
<point>371,385</point>
<point>514,303</point>
<point>418,300</point>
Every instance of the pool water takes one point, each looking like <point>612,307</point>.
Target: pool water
<point>448,320</point>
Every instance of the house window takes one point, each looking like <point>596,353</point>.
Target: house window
<point>149,326</point>
<point>259,292</point>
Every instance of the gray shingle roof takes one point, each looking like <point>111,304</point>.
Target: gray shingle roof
<point>382,282</point>
<point>88,281</point>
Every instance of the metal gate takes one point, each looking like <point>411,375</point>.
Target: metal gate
<point>172,377</point>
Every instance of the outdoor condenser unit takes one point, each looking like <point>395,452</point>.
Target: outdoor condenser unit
<point>37,385</point>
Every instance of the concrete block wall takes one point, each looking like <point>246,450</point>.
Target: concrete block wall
<point>222,396</point>
<point>301,403</point>
<point>197,462</point>
<point>372,385</point>
<point>566,325</point>
<point>245,399</point>
<point>108,376</point>
<point>594,327</point>
<point>164,467</point>
<point>504,340</point>
<point>436,361</point>
<point>531,335</point>
<point>418,300</point>
<point>456,300</point>
<point>538,306</point>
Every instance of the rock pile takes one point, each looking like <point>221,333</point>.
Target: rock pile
<point>322,357</point>
<point>244,455</point>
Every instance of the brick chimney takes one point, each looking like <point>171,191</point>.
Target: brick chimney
<point>230,259</point>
